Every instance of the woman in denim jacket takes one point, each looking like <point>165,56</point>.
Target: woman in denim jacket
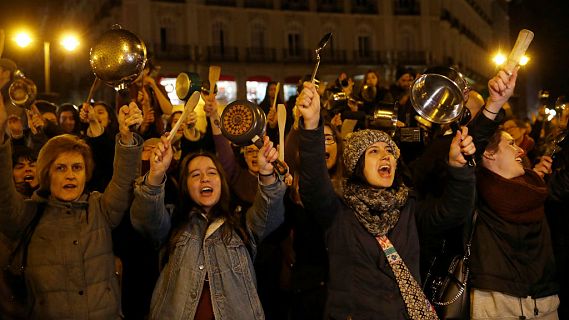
<point>209,273</point>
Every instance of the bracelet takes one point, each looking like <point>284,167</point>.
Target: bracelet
<point>491,111</point>
<point>266,175</point>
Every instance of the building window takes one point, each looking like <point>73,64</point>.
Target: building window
<point>294,46</point>
<point>219,37</point>
<point>163,39</point>
<point>258,36</point>
<point>407,7</point>
<point>364,46</point>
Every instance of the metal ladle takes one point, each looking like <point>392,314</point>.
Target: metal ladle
<point>323,42</point>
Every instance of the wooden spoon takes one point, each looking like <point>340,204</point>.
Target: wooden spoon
<point>281,114</point>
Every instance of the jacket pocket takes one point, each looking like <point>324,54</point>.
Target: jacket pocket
<point>238,254</point>
<point>178,249</point>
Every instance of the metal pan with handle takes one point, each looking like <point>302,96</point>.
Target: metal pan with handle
<point>243,123</point>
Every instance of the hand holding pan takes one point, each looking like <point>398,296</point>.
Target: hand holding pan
<point>243,123</point>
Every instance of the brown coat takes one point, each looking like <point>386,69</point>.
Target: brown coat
<point>70,272</point>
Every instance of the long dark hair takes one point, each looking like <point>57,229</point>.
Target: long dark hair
<point>187,205</point>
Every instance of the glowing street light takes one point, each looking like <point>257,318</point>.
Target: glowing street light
<point>69,42</point>
<point>499,59</point>
<point>23,39</point>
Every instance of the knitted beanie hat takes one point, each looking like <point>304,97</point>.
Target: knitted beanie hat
<point>357,142</point>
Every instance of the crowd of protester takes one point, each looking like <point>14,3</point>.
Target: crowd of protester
<point>128,222</point>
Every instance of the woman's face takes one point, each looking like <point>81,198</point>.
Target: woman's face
<point>380,165</point>
<point>272,91</point>
<point>102,115</point>
<point>67,121</point>
<point>251,152</point>
<point>67,176</point>
<point>182,127</point>
<point>204,182</point>
<point>371,79</point>
<point>506,161</point>
<point>25,171</point>
<point>331,148</point>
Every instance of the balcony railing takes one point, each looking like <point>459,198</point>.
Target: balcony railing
<point>411,57</point>
<point>260,4</point>
<point>297,5</point>
<point>298,55</point>
<point>330,7</point>
<point>228,54</point>
<point>334,56</point>
<point>371,57</point>
<point>173,52</point>
<point>365,8</point>
<point>261,54</point>
<point>226,3</point>
<point>406,7</point>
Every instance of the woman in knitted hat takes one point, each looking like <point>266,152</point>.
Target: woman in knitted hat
<point>373,230</point>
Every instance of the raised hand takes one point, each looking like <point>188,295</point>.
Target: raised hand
<point>160,161</point>
<point>543,167</point>
<point>308,104</point>
<point>128,116</point>
<point>267,155</point>
<point>462,144</point>
<point>35,120</point>
<point>501,88</point>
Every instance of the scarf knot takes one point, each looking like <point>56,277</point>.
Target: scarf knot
<point>378,210</point>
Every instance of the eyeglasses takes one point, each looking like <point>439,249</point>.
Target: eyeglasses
<point>329,139</point>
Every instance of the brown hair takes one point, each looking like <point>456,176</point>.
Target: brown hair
<point>53,149</point>
<point>220,209</point>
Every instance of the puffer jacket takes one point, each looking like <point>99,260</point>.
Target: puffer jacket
<point>70,270</point>
<point>199,250</point>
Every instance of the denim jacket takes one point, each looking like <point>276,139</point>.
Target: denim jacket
<point>198,250</point>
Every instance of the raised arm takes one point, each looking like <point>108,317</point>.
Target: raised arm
<point>12,202</point>
<point>118,195</point>
<point>457,202</point>
<point>148,213</point>
<point>267,211</point>
<point>316,190</point>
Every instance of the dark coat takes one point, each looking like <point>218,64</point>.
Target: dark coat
<point>362,284</point>
<point>516,258</point>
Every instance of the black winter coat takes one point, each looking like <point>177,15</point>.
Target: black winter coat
<point>362,284</point>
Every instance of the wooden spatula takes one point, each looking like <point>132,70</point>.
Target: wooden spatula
<point>281,116</point>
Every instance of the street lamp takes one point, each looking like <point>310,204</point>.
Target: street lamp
<point>499,59</point>
<point>70,42</point>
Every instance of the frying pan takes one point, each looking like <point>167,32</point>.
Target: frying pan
<point>243,123</point>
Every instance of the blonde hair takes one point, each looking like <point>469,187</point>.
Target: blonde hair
<point>55,147</point>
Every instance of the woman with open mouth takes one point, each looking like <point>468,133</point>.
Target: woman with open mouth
<point>24,170</point>
<point>68,259</point>
<point>512,261</point>
<point>372,230</point>
<point>209,273</point>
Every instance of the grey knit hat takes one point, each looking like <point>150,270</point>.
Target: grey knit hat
<point>357,142</point>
